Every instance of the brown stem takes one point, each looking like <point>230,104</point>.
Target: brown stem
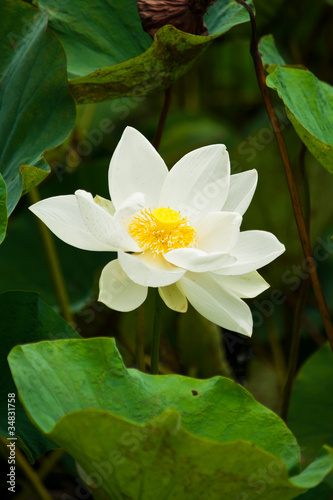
<point>303,234</point>
<point>306,187</point>
<point>163,117</point>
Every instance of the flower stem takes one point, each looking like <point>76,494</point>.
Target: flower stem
<point>53,262</point>
<point>140,347</point>
<point>47,464</point>
<point>305,186</point>
<point>37,485</point>
<point>162,119</point>
<point>301,225</point>
<point>155,348</point>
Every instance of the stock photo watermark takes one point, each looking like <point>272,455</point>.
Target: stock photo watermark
<point>11,475</point>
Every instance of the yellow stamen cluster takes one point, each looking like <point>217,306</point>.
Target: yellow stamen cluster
<point>161,230</point>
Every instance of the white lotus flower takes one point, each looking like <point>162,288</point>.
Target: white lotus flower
<point>177,230</point>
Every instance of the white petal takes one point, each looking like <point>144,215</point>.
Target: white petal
<point>245,286</point>
<point>62,216</point>
<point>135,167</point>
<point>102,225</point>
<point>218,231</point>
<point>117,291</point>
<point>193,259</point>
<point>217,304</point>
<point>131,206</point>
<point>173,297</point>
<point>198,183</point>
<point>104,203</point>
<point>149,270</point>
<point>253,250</point>
<point>241,191</point>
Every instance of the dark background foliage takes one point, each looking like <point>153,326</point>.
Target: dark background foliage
<point>217,101</point>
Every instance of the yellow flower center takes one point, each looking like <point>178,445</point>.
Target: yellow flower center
<point>161,230</point>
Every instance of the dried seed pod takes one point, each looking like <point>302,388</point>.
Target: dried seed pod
<point>186,15</point>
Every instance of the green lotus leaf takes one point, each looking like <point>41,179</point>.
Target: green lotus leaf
<point>311,408</point>
<point>25,318</point>
<point>224,14</point>
<point>111,56</point>
<point>142,436</point>
<point>33,175</point>
<point>171,55</point>
<point>96,34</point>
<point>161,459</point>
<point>95,369</point>
<point>308,101</point>
<point>269,52</point>
<point>37,111</point>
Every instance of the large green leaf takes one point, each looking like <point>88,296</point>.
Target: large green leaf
<point>148,437</point>
<point>3,209</point>
<point>162,460</point>
<point>311,409</point>
<point>105,33</point>
<point>308,101</point>
<point>138,397</point>
<point>37,111</point>
<point>25,318</point>
<point>269,52</point>
<point>309,104</point>
<point>96,34</point>
<point>170,56</point>
<point>223,15</point>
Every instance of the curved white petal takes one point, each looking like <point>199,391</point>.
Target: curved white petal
<point>193,259</point>
<point>149,270</point>
<point>61,214</point>
<point>102,225</point>
<point>131,206</point>
<point>246,286</point>
<point>173,297</point>
<point>253,250</point>
<point>198,183</point>
<point>117,291</point>
<point>104,203</point>
<point>135,167</point>
<point>218,231</point>
<point>241,191</point>
<point>217,304</point>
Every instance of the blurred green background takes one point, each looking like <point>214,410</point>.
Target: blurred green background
<point>218,101</point>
